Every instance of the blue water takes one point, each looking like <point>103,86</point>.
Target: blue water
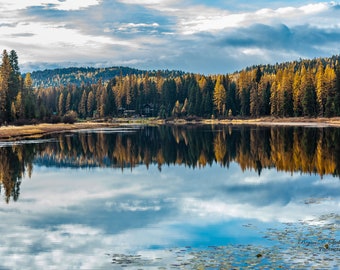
<point>176,217</point>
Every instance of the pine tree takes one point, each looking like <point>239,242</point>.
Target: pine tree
<point>309,102</point>
<point>14,78</point>
<point>110,107</point>
<point>126,91</point>
<point>321,92</point>
<point>329,78</point>
<point>13,111</point>
<point>337,91</point>
<point>168,95</point>
<point>90,104</point>
<point>255,100</point>
<point>176,111</point>
<point>68,102</point>
<point>264,89</point>
<point>220,96</point>
<point>102,103</point>
<point>19,106</point>
<point>207,100</point>
<point>82,105</point>
<point>297,93</point>
<point>279,92</point>
<point>118,92</point>
<point>198,103</point>
<point>273,100</point>
<point>29,98</point>
<point>184,109</point>
<point>5,71</point>
<point>3,94</point>
<point>28,81</point>
<point>258,75</point>
<point>287,88</point>
<point>61,104</point>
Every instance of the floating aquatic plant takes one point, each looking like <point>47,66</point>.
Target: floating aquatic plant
<point>296,246</point>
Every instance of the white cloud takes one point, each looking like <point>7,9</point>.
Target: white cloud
<point>254,51</point>
<point>136,27</point>
<point>315,8</point>
<point>211,23</point>
<point>160,5</point>
<point>61,247</point>
<point>214,20</point>
<point>75,4</point>
<point>212,211</point>
<point>65,43</point>
<point>6,5</point>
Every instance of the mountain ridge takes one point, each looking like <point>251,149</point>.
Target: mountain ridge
<point>91,75</point>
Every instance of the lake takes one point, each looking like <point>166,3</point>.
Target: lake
<point>172,197</point>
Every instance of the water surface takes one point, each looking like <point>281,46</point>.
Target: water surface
<point>192,197</point>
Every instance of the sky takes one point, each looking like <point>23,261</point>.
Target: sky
<point>201,36</point>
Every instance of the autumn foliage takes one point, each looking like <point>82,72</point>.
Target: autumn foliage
<point>309,88</point>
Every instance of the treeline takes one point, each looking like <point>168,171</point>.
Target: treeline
<point>302,88</point>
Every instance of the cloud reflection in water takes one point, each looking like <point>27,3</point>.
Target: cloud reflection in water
<point>70,218</point>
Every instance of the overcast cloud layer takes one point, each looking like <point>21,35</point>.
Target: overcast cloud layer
<point>205,36</point>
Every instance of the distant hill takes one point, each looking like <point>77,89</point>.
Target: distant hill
<point>308,63</point>
<point>89,75</point>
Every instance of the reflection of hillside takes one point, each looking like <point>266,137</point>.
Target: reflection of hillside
<point>290,149</point>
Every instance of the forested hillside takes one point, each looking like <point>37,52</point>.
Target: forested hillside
<point>301,88</point>
<point>88,75</point>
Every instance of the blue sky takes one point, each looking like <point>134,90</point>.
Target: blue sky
<point>204,36</point>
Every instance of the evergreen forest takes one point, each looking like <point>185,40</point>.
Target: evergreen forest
<point>308,88</point>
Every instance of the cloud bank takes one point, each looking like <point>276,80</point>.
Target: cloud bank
<point>192,35</point>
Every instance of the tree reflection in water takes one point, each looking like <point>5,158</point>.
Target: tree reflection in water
<point>289,149</point>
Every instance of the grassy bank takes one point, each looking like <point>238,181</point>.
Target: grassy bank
<point>36,131</point>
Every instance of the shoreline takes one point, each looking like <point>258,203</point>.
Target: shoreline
<point>12,133</point>
<point>290,121</point>
<point>265,121</point>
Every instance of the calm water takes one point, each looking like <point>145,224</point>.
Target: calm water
<point>172,198</point>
